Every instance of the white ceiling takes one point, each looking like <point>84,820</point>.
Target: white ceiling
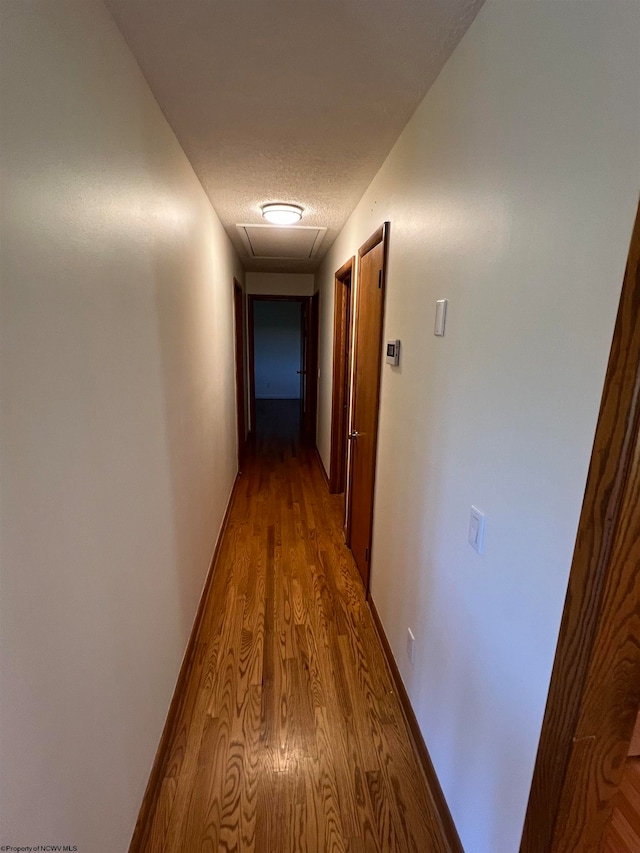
<point>289,100</point>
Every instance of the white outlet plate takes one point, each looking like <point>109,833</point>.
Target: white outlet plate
<point>411,646</point>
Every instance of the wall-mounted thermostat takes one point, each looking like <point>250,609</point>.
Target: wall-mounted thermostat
<point>393,353</point>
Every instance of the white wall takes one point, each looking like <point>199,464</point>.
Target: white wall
<point>280,284</point>
<point>117,440</point>
<point>277,349</point>
<point>512,193</point>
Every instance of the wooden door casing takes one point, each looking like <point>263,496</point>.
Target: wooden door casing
<point>594,693</point>
<point>342,315</point>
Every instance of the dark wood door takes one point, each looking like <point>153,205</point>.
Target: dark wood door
<point>238,304</point>
<point>366,396</point>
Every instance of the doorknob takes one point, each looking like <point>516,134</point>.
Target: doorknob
<point>353,434</point>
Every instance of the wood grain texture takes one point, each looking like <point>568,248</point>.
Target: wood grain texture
<point>367,372</point>
<point>622,835</point>
<point>595,687</point>
<point>161,787</point>
<point>290,736</point>
<point>446,821</point>
<point>634,746</point>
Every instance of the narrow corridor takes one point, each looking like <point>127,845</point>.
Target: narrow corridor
<point>290,737</point>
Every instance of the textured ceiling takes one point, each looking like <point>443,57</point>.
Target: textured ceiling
<point>289,100</point>
<point>272,241</point>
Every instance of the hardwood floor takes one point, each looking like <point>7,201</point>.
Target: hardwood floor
<point>289,737</point>
<point>623,833</point>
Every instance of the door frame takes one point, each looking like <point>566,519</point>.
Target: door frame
<point>239,342</point>
<point>342,338</point>
<point>594,694</point>
<point>380,235</point>
<point>309,324</point>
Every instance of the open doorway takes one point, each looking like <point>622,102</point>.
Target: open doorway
<point>238,316</point>
<point>342,313</point>
<point>283,344</point>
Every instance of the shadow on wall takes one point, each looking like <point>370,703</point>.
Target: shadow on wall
<point>118,448</point>
<point>195,341</point>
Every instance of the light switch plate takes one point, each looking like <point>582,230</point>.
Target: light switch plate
<point>476,529</point>
<point>441,316</point>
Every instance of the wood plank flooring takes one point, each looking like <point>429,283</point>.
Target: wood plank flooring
<point>623,833</point>
<point>289,737</point>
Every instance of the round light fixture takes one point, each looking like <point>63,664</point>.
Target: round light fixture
<point>282,214</point>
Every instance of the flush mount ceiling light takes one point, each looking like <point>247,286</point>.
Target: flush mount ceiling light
<point>282,214</point>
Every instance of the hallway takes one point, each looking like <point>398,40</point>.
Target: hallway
<point>166,167</point>
<point>289,737</point>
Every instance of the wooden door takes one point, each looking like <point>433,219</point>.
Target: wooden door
<point>341,363</point>
<point>366,396</point>
<point>238,305</point>
<point>594,695</point>
<point>634,746</point>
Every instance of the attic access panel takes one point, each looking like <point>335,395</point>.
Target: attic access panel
<point>299,242</point>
